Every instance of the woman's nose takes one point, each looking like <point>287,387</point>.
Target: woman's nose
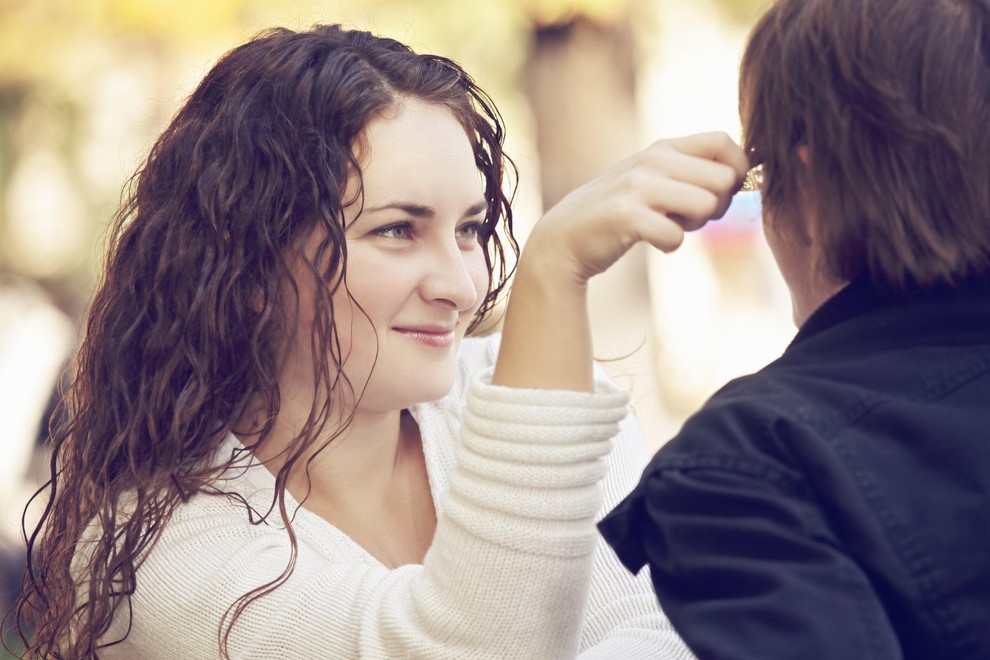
<point>449,276</point>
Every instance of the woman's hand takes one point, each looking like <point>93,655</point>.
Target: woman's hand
<point>655,195</point>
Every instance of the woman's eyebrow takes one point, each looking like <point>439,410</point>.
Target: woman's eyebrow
<point>476,209</point>
<point>424,211</point>
<point>415,210</point>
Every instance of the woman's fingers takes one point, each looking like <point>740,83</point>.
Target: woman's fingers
<point>715,146</point>
<point>655,196</point>
<point>660,231</point>
<point>695,176</point>
<point>688,205</point>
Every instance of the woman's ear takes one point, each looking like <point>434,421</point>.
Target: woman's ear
<point>802,153</point>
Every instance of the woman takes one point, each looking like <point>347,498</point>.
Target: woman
<point>280,443</point>
<point>835,503</point>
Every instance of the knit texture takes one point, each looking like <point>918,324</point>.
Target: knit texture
<point>516,568</point>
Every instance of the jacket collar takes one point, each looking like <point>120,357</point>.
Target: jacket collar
<point>862,299</point>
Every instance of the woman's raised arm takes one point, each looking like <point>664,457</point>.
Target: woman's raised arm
<point>655,195</point>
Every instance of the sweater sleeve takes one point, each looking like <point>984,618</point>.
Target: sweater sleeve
<point>506,577</point>
<point>624,619</point>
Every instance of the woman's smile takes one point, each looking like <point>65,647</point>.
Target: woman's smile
<point>429,335</point>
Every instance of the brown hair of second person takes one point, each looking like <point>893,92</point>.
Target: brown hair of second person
<point>870,116</point>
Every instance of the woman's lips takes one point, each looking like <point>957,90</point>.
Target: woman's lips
<point>436,337</point>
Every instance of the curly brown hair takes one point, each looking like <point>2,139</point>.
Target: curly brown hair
<point>178,340</point>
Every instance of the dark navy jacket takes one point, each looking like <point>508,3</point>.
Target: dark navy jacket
<point>835,504</point>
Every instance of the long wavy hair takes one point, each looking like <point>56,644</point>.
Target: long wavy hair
<point>182,334</point>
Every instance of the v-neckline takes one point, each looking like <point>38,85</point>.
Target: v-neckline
<point>264,482</point>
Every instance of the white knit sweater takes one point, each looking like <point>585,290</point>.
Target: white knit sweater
<point>516,568</point>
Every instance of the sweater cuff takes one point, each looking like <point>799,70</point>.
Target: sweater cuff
<point>530,463</point>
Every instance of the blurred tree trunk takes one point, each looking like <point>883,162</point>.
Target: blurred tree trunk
<point>580,79</point>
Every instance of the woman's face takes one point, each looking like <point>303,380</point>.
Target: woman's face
<point>414,263</point>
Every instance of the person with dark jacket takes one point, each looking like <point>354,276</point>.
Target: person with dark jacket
<point>836,504</point>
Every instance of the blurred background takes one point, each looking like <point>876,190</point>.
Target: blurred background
<point>87,85</point>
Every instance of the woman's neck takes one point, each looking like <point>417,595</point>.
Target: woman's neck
<point>370,481</point>
<point>359,451</point>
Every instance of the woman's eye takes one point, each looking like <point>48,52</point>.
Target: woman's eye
<point>402,230</point>
<point>470,231</point>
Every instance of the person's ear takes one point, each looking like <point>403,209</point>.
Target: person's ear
<point>802,153</point>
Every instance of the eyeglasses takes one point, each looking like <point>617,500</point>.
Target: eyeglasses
<point>754,179</point>
<point>747,203</point>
